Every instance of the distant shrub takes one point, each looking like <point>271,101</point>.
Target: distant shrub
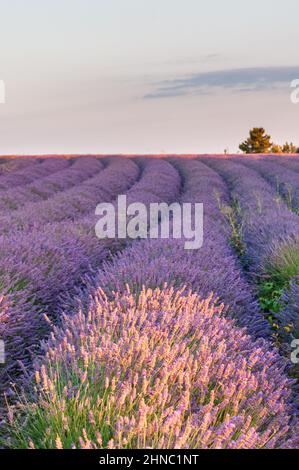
<point>286,148</point>
<point>276,148</point>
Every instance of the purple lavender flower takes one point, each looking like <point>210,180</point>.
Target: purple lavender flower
<point>163,369</point>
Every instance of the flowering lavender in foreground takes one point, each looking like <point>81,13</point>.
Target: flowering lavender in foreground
<point>288,319</point>
<point>152,263</point>
<point>160,370</point>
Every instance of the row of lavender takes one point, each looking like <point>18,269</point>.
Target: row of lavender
<point>286,259</point>
<point>270,229</point>
<point>37,268</point>
<point>30,172</point>
<point>8,165</point>
<point>285,180</point>
<point>47,186</point>
<point>157,366</point>
<point>69,204</point>
<point>155,262</point>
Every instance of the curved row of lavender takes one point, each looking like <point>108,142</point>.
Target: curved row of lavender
<point>60,254</point>
<point>29,173</point>
<point>212,268</point>
<point>157,368</point>
<point>37,267</point>
<point>270,230</point>
<point>283,180</point>
<point>291,163</point>
<point>284,176</point>
<point>68,204</point>
<point>71,204</point>
<point>46,187</point>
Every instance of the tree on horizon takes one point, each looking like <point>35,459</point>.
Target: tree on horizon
<point>257,142</point>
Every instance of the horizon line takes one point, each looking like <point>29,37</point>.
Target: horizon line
<point>132,155</point>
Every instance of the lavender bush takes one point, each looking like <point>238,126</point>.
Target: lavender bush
<point>160,370</point>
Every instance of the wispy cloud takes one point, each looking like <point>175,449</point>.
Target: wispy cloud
<point>240,80</point>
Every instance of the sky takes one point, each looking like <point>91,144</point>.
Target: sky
<point>146,76</point>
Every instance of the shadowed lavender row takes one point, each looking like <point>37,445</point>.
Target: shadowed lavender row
<point>286,182</point>
<point>270,230</point>
<point>46,187</point>
<point>267,221</point>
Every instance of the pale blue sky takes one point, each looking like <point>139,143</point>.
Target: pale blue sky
<point>145,75</point>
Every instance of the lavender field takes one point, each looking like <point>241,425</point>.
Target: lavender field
<point>122,343</point>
